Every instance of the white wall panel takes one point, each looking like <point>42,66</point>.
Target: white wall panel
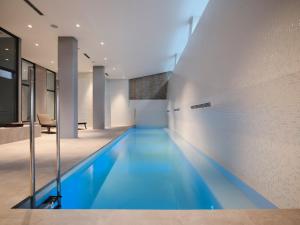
<point>244,58</point>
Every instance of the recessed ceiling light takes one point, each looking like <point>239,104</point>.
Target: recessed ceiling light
<point>77,25</point>
<point>6,49</point>
<point>29,26</point>
<point>6,59</point>
<point>101,43</point>
<point>105,58</point>
<point>37,44</point>
<point>52,62</point>
<point>114,68</point>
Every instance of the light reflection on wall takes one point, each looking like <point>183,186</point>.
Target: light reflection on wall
<point>189,16</point>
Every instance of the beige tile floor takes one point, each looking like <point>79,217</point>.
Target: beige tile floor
<point>14,186</point>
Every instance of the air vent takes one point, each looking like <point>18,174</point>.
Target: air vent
<point>34,7</point>
<point>200,106</point>
<point>86,55</point>
<point>177,110</point>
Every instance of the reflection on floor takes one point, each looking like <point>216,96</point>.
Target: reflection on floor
<point>14,160</point>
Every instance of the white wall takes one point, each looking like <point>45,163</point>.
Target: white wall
<point>85,98</point>
<point>125,112</point>
<point>244,58</point>
<point>150,113</point>
<point>121,113</point>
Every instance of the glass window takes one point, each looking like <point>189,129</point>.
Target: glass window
<point>51,104</point>
<point>8,78</point>
<point>25,103</point>
<point>51,94</point>
<point>27,71</point>
<point>8,51</point>
<point>50,80</point>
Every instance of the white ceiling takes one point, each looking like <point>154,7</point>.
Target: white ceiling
<point>141,36</point>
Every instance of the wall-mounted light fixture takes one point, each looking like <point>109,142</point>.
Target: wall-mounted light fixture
<point>200,106</point>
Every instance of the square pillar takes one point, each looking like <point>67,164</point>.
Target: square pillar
<point>98,97</point>
<point>68,76</point>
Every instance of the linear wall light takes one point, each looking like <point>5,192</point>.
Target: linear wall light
<point>201,106</point>
<point>86,55</point>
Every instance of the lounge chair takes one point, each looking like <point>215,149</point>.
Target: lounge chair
<point>46,121</point>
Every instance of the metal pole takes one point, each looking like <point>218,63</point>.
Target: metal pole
<point>32,142</point>
<point>58,167</point>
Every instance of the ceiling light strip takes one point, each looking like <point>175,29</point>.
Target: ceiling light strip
<point>34,7</point>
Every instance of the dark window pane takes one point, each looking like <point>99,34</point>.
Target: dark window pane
<point>8,78</point>
<point>8,97</point>
<point>8,51</point>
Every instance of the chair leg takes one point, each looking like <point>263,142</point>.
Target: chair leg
<point>48,128</point>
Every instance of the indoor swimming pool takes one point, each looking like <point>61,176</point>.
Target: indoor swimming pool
<point>151,169</point>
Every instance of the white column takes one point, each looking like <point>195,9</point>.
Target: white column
<point>68,75</point>
<point>98,97</point>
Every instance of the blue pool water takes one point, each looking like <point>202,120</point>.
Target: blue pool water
<point>145,169</point>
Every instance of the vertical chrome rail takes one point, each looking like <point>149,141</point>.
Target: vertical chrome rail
<point>32,142</point>
<point>58,167</point>
<point>134,117</point>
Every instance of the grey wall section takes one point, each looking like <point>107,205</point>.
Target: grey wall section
<point>244,58</point>
<point>99,97</point>
<point>149,87</point>
<point>40,89</point>
<point>68,76</point>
